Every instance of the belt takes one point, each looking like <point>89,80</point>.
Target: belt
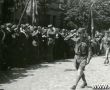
<point>80,54</point>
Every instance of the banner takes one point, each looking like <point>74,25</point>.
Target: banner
<point>28,10</point>
<point>32,10</point>
<point>90,30</point>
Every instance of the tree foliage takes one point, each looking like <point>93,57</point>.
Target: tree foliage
<point>79,13</point>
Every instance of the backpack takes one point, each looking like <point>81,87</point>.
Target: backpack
<point>82,48</point>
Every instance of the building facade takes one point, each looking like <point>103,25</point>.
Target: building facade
<point>1,3</point>
<point>53,13</point>
<point>49,11</point>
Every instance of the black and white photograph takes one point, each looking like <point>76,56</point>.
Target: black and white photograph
<point>54,44</point>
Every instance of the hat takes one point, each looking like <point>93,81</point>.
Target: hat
<point>49,25</point>
<point>73,31</point>
<point>2,26</point>
<point>39,27</point>
<point>8,24</point>
<point>81,30</point>
<point>35,27</point>
<point>27,24</point>
<point>14,26</point>
<point>15,29</point>
<point>63,30</point>
<point>31,28</point>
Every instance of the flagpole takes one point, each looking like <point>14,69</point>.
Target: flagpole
<point>33,21</point>
<point>32,12</point>
<point>92,22</point>
<point>23,13</point>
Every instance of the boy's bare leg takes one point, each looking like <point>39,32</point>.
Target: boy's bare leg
<point>84,81</point>
<point>106,55</point>
<point>79,76</point>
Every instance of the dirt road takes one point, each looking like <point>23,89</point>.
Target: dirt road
<point>56,76</point>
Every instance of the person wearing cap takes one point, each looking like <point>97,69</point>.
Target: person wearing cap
<point>83,55</point>
<point>51,41</point>
<point>9,25</point>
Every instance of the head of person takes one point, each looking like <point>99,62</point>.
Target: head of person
<point>106,34</point>
<point>50,26</point>
<point>73,31</point>
<point>9,25</point>
<point>2,26</point>
<point>81,32</point>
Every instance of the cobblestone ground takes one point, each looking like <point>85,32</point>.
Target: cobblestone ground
<point>56,76</point>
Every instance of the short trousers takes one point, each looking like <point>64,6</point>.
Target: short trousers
<point>80,63</point>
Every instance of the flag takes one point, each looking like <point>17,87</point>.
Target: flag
<point>35,7</point>
<point>32,10</point>
<point>28,10</point>
<point>91,23</point>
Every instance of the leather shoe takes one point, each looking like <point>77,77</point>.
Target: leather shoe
<point>84,85</point>
<point>73,87</point>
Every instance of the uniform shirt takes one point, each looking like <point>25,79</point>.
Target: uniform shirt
<point>78,55</point>
<point>106,41</point>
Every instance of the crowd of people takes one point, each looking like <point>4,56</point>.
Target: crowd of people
<point>26,44</point>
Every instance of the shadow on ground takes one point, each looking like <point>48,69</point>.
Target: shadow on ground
<point>15,73</point>
<point>59,61</point>
<point>20,73</point>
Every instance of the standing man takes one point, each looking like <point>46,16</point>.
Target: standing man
<point>51,32</point>
<point>106,45</point>
<point>83,54</point>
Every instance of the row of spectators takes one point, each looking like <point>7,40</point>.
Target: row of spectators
<point>26,44</point>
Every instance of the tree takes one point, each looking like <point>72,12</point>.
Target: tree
<point>102,14</point>
<point>79,13</point>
